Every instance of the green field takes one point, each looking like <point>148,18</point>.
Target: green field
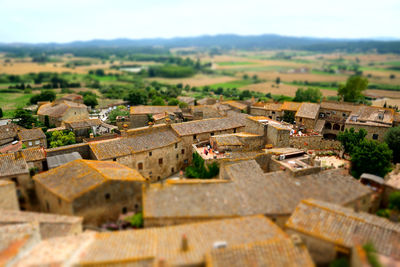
<point>9,102</point>
<point>235,63</point>
<point>233,84</point>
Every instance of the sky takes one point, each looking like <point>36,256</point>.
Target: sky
<point>40,21</point>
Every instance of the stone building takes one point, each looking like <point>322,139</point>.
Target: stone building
<point>375,120</point>
<point>187,99</point>
<point>35,157</point>
<point>140,116</point>
<point>237,106</point>
<point>33,138</point>
<point>8,133</point>
<point>83,128</point>
<point>72,98</point>
<point>183,245</point>
<point>328,230</point>
<point>201,130</point>
<point>13,167</point>
<point>59,112</point>
<point>307,115</point>
<point>270,110</point>
<point>8,196</point>
<point>98,191</point>
<point>245,189</point>
<point>290,107</point>
<point>156,152</point>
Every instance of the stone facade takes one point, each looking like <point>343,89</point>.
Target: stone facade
<point>278,136</point>
<point>374,132</point>
<point>313,142</point>
<point>8,196</point>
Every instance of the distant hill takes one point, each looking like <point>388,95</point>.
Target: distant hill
<point>227,41</point>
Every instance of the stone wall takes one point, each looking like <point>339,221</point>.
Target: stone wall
<point>8,196</point>
<point>313,142</point>
<point>50,202</point>
<point>83,149</point>
<point>371,130</point>
<point>278,136</point>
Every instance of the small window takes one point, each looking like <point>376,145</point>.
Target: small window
<point>150,154</point>
<point>183,151</point>
<point>273,112</point>
<point>140,166</point>
<point>270,117</point>
<point>160,161</point>
<point>375,136</point>
<point>177,156</point>
<point>158,178</point>
<point>30,143</point>
<point>176,145</point>
<point>344,115</point>
<point>194,137</point>
<point>37,142</point>
<point>212,134</point>
<point>172,170</point>
<point>124,210</point>
<point>47,206</point>
<point>107,196</point>
<point>59,201</point>
<point>185,161</point>
<point>114,159</point>
<point>234,130</point>
<point>75,113</point>
<point>136,206</point>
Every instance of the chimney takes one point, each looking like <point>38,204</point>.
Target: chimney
<point>185,243</point>
<point>18,154</point>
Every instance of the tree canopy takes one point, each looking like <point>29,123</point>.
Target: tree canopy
<point>60,138</point>
<point>25,118</point>
<point>392,138</point>
<point>353,89</point>
<point>308,95</point>
<point>137,97</point>
<point>45,95</point>
<point>158,101</point>
<point>351,139</point>
<point>90,100</point>
<point>199,170</point>
<point>119,111</point>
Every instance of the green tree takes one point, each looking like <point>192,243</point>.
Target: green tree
<point>136,220</point>
<point>351,139</point>
<point>278,80</point>
<point>184,105</point>
<point>353,89</point>
<point>371,157</point>
<point>25,118</point>
<point>45,95</point>
<point>90,100</point>
<point>245,76</point>
<point>394,201</point>
<point>137,97</point>
<point>198,169</point>
<point>308,95</point>
<point>173,102</point>
<point>392,138</point>
<point>158,101</point>
<point>119,111</point>
<point>245,94</point>
<point>60,138</point>
<point>47,121</point>
<point>288,116</point>
<point>1,113</point>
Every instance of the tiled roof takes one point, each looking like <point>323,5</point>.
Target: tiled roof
<point>249,191</point>
<point>156,138</point>
<point>308,110</point>
<point>58,160</point>
<point>227,140</point>
<point>206,126</point>
<point>10,147</point>
<point>72,97</point>
<point>31,134</point>
<point>368,114</point>
<point>166,242</point>
<point>8,131</point>
<point>273,106</point>
<point>51,225</point>
<point>235,104</point>
<point>209,111</point>
<point>137,110</point>
<point>276,252</point>
<point>341,106</point>
<point>58,109</point>
<point>345,227</point>
<point>34,154</point>
<point>290,106</point>
<point>77,177</point>
<point>86,123</point>
<point>186,99</point>
<point>206,101</point>
<point>12,164</point>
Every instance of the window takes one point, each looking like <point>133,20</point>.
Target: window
<point>273,112</point>
<point>140,166</point>
<point>185,161</point>
<point>107,196</point>
<point>375,136</point>
<point>344,115</point>
<point>183,151</point>
<point>59,201</point>
<point>342,129</point>
<point>30,143</point>
<point>194,137</point>
<point>114,159</point>
<point>172,170</point>
<point>176,145</point>
<point>270,117</point>
<point>328,125</point>
<point>160,161</point>
<point>136,206</point>
<point>150,154</point>
<point>212,134</point>
<point>124,210</point>
<point>177,156</point>
<point>37,142</point>
<point>321,115</point>
<point>158,178</point>
<point>234,130</point>
<point>336,127</point>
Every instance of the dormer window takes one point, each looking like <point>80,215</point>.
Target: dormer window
<point>353,118</point>
<point>381,115</point>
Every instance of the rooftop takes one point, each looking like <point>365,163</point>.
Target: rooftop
<point>83,123</point>
<point>8,131</point>
<point>235,104</point>
<point>345,227</point>
<point>34,154</point>
<point>31,134</point>
<point>141,110</point>
<point>372,116</point>
<point>308,110</point>
<point>58,160</point>
<point>149,140</point>
<point>206,126</point>
<point>77,177</point>
<point>58,109</point>
<point>290,106</point>
<point>12,164</point>
<point>341,106</point>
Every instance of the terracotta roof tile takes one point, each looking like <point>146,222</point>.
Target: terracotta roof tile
<point>205,126</point>
<point>12,164</point>
<point>58,109</point>
<point>34,154</point>
<point>137,110</point>
<point>9,131</point>
<point>290,106</point>
<point>308,110</point>
<point>86,123</point>
<point>31,134</point>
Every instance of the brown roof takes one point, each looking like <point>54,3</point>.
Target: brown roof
<point>308,110</point>
<point>77,177</point>
<point>235,104</point>
<point>227,140</point>
<point>9,131</point>
<point>71,97</point>
<point>206,126</point>
<point>342,226</point>
<point>156,138</point>
<point>86,123</point>
<point>34,154</point>
<point>58,109</point>
<point>31,134</point>
<point>137,110</point>
<point>12,164</point>
<point>186,99</point>
<point>275,252</point>
<point>290,106</point>
<point>51,225</point>
<point>370,115</point>
<point>340,106</point>
<point>273,106</point>
<point>249,191</point>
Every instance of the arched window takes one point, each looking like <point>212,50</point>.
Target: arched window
<point>328,126</point>
<point>336,127</point>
